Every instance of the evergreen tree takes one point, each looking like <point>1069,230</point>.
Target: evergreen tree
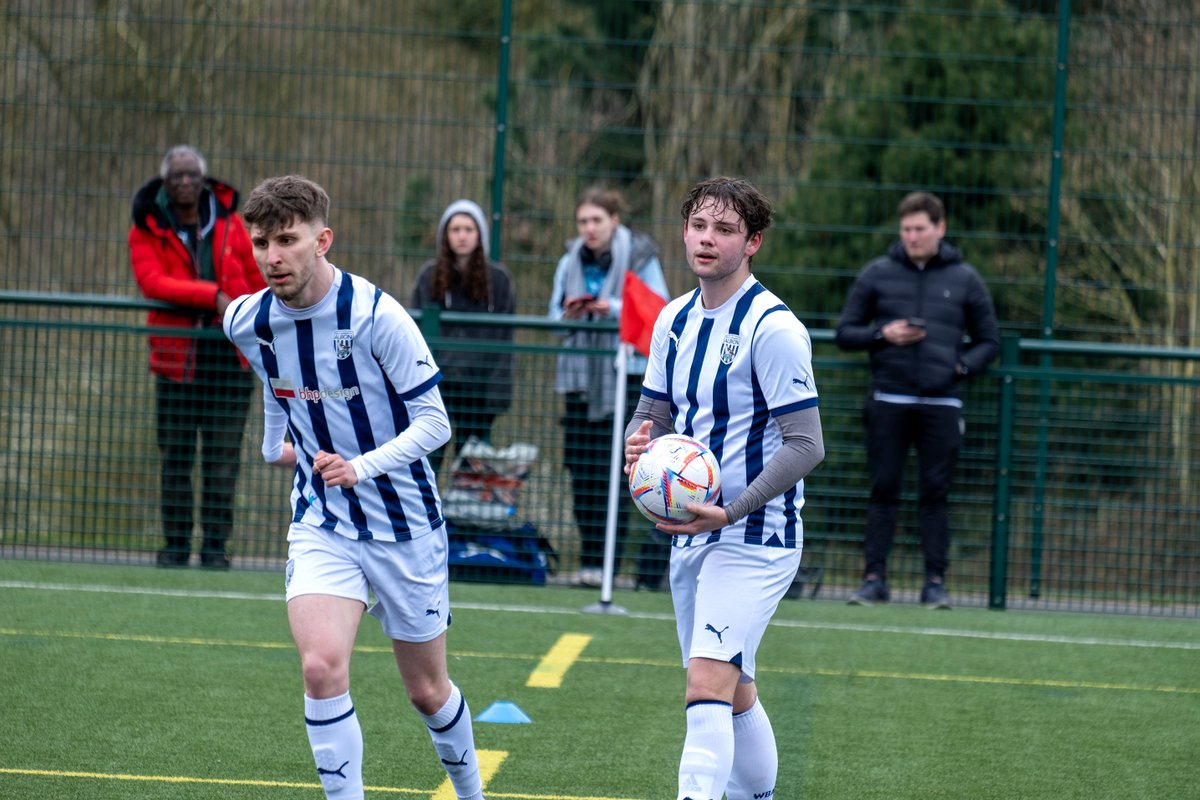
<point>959,104</point>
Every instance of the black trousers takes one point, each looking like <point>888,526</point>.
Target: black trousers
<point>936,432</point>
<point>214,407</point>
<point>586,453</point>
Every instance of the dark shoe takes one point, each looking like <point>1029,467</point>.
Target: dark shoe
<point>934,596</point>
<point>214,561</point>
<point>173,558</point>
<point>873,591</point>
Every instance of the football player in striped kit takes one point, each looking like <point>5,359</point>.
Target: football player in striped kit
<point>731,365</point>
<point>347,375</point>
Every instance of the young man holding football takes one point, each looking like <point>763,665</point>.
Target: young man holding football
<point>731,366</point>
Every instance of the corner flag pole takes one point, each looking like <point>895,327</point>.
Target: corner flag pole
<point>615,482</point>
<point>640,307</point>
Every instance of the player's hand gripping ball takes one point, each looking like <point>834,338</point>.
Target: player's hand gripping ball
<point>674,471</point>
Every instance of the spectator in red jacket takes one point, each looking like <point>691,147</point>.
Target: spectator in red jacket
<point>189,248</point>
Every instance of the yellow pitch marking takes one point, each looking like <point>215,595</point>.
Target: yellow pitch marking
<point>549,672</point>
<point>489,763</point>
<point>630,662</point>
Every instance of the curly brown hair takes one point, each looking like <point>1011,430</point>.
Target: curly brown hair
<point>742,196</point>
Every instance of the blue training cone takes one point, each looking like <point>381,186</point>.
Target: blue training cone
<point>503,711</point>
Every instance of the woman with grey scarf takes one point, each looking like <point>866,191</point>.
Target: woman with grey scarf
<point>587,286</point>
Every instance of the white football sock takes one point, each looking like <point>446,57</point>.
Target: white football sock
<point>707,751</point>
<point>454,741</point>
<point>337,745</point>
<point>755,759</point>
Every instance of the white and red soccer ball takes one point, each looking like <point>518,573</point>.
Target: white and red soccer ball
<point>673,472</point>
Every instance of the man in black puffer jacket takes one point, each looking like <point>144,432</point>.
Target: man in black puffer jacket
<point>911,309</point>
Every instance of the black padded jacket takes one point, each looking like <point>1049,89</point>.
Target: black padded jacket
<point>949,295</point>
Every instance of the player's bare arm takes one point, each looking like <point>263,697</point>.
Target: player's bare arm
<point>287,458</point>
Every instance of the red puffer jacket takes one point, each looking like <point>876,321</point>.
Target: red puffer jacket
<point>164,271</point>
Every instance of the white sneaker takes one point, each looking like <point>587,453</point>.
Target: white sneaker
<point>591,576</point>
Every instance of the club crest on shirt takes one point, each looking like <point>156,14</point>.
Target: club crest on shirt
<point>729,347</point>
<point>343,343</point>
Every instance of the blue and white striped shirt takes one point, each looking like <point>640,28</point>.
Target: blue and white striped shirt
<point>726,372</point>
<point>348,376</point>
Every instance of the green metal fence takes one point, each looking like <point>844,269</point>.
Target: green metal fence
<point>1061,134</point>
<point>1075,489</point>
<point>1095,488</point>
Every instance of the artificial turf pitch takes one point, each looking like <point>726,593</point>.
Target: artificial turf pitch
<point>123,682</point>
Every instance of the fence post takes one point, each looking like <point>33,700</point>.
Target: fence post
<point>1010,351</point>
<point>501,128</point>
<point>431,322</point>
<point>1054,198</point>
<point>1048,290</point>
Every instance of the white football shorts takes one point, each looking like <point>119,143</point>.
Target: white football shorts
<point>409,579</point>
<point>725,593</point>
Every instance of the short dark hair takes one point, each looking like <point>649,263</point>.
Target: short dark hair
<point>736,193</point>
<point>916,202</point>
<point>280,202</point>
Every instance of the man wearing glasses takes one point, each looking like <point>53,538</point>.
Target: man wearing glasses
<point>189,247</point>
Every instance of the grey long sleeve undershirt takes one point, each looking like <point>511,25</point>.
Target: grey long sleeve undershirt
<point>803,448</point>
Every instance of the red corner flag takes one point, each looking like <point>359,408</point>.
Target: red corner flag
<point>639,309</point>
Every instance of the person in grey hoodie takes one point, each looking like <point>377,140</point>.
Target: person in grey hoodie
<point>477,385</point>
<point>587,286</point>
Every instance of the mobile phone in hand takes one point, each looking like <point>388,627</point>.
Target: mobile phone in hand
<point>916,322</point>
<point>580,300</point>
